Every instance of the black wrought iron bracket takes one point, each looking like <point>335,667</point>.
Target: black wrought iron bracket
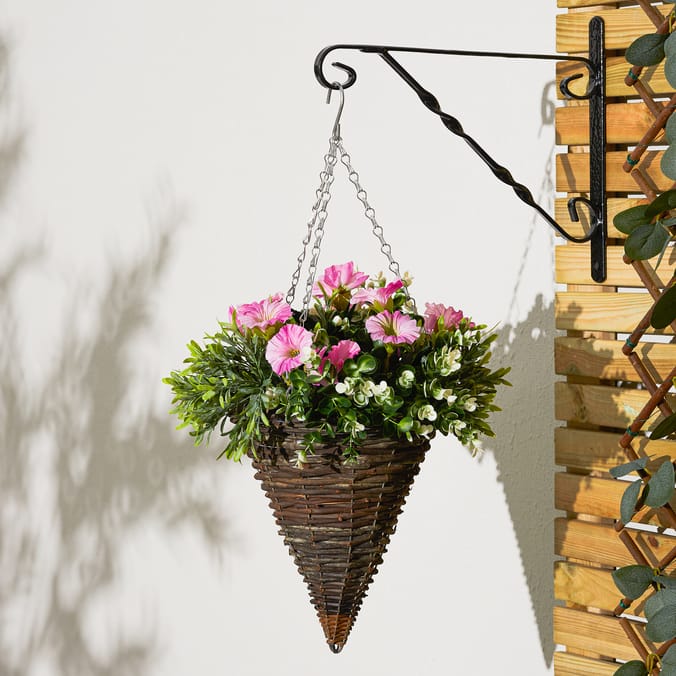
<point>595,94</point>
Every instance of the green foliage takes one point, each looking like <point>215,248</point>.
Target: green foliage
<point>664,311</point>
<point>666,427</point>
<point>660,487</point>
<point>647,50</point>
<point>633,581</point>
<point>628,467</point>
<point>633,668</point>
<point>440,382</point>
<point>630,500</point>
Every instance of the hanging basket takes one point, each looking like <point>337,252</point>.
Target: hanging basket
<point>337,519</point>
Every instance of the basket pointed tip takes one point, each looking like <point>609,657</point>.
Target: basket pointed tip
<point>336,647</point>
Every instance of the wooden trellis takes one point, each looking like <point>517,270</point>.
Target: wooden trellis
<point>617,373</point>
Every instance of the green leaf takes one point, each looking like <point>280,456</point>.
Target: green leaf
<point>664,311</point>
<point>632,581</point>
<point>670,62</point>
<point>662,625</point>
<point>405,424</point>
<point>668,669</point>
<point>670,127</point>
<point>661,485</point>
<point>646,241</point>
<point>647,50</point>
<point>665,428</point>
<point>668,162</point>
<point>666,582</point>
<point>663,202</point>
<point>629,500</point>
<point>367,363</point>
<point>633,668</point>
<point>627,467</point>
<point>628,220</point>
<point>670,656</point>
<point>659,600</point>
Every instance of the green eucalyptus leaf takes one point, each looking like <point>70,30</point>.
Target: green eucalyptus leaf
<point>627,467</point>
<point>665,428</point>
<point>663,202</point>
<point>668,162</point>
<point>632,581</point>
<point>666,581</point>
<point>646,241</point>
<point>670,129</point>
<point>664,311</point>
<point>662,625</point>
<point>670,62</point>
<point>668,669</point>
<point>646,50</point>
<point>661,485</point>
<point>629,500</point>
<point>670,656</point>
<point>628,220</point>
<point>659,600</point>
<point>633,668</point>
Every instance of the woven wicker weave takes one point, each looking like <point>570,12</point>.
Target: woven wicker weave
<point>337,519</point>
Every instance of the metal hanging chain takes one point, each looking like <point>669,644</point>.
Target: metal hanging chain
<point>319,215</point>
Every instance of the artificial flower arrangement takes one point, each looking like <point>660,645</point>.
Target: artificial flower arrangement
<point>362,359</point>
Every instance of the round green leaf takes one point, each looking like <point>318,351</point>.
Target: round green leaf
<point>659,600</point>
<point>664,311</point>
<point>663,202</point>
<point>367,363</point>
<point>668,669</point>
<point>647,50</point>
<point>629,219</point>
<point>632,581</point>
<point>629,500</point>
<point>670,66</point>
<point>670,128</point>
<point>662,626</point>
<point>661,485</point>
<point>669,47</point>
<point>670,656</point>
<point>668,162</point>
<point>633,668</point>
<point>646,242</point>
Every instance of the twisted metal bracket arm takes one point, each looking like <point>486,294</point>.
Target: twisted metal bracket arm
<point>595,94</point>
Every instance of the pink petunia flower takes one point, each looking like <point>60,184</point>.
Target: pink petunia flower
<point>377,297</point>
<point>290,347</point>
<point>450,318</point>
<point>392,327</point>
<point>340,353</point>
<point>339,278</point>
<point>263,314</point>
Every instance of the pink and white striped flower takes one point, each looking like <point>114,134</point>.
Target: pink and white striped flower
<point>450,317</point>
<point>392,327</point>
<point>264,313</point>
<point>377,297</point>
<point>289,348</point>
<point>339,278</point>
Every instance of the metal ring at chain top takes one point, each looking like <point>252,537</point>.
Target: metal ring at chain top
<point>323,195</point>
<point>370,213</point>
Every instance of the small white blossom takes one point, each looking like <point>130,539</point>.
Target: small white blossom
<point>470,404</point>
<point>406,379</point>
<point>427,412</point>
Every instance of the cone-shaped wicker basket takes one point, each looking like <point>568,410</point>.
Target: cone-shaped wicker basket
<point>337,519</point>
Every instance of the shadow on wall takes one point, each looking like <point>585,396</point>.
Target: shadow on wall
<point>73,481</point>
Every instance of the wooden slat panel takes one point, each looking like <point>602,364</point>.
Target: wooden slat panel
<point>604,358</point>
<point>596,497</point>
<point>591,587</point>
<point>599,451</point>
<point>625,123</point>
<point>616,70</point>
<point>572,266</point>
<point>599,543</point>
<point>589,632</point>
<point>614,206</point>
<point>572,172</point>
<point>620,312</point>
<point>598,405</point>
<point>567,664</point>
<point>623,26</point>
<point>584,3</point>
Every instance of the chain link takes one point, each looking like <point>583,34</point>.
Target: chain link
<point>318,219</point>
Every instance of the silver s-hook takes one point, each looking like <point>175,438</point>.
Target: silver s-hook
<point>335,134</point>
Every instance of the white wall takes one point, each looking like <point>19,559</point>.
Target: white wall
<point>159,161</point>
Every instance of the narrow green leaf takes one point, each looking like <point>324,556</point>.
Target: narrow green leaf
<point>664,311</point>
<point>665,428</point>
<point>662,625</point>
<point>629,500</point>
<point>633,668</point>
<point>663,202</point>
<point>647,50</point>
<point>627,467</point>
<point>659,600</point>
<point>646,241</point>
<point>629,219</point>
<point>632,581</point>
<point>661,485</point>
